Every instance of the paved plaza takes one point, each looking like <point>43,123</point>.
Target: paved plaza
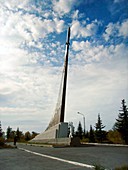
<point>49,158</point>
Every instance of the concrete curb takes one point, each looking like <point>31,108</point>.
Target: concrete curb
<point>34,144</point>
<point>82,145</point>
<point>104,144</point>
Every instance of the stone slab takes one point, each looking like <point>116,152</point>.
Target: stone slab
<point>58,131</point>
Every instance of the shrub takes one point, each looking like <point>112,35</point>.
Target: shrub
<point>114,137</point>
<point>98,167</point>
<point>125,167</point>
<point>2,141</point>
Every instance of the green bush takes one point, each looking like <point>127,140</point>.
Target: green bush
<point>2,141</point>
<point>114,136</point>
<point>125,167</point>
<point>98,167</point>
<point>85,140</point>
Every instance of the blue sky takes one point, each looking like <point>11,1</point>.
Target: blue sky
<point>32,48</point>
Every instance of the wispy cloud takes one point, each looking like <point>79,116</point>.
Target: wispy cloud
<point>63,7</point>
<point>83,29</point>
<point>116,30</point>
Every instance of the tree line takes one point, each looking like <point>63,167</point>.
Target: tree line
<point>20,136</point>
<point>10,134</point>
<point>119,133</point>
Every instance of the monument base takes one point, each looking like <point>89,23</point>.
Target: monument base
<point>59,142</point>
<point>57,136</point>
<point>58,131</point>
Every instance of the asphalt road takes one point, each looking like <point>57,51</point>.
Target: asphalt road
<point>44,158</point>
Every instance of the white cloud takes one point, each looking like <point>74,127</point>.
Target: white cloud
<point>83,30</point>
<point>111,30</point>
<point>88,52</point>
<point>78,46</point>
<point>22,79</point>
<point>123,30</point>
<point>62,6</point>
<point>19,26</point>
<point>100,85</point>
<point>116,30</point>
<point>29,90</point>
<point>75,14</point>
<point>118,1</point>
<point>59,25</point>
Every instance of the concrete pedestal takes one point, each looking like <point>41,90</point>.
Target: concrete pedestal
<point>58,131</point>
<point>56,136</point>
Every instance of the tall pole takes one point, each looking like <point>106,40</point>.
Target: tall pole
<point>65,77</point>
<point>83,120</point>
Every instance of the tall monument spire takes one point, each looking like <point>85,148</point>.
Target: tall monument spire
<point>57,128</point>
<point>60,107</point>
<point>65,77</point>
